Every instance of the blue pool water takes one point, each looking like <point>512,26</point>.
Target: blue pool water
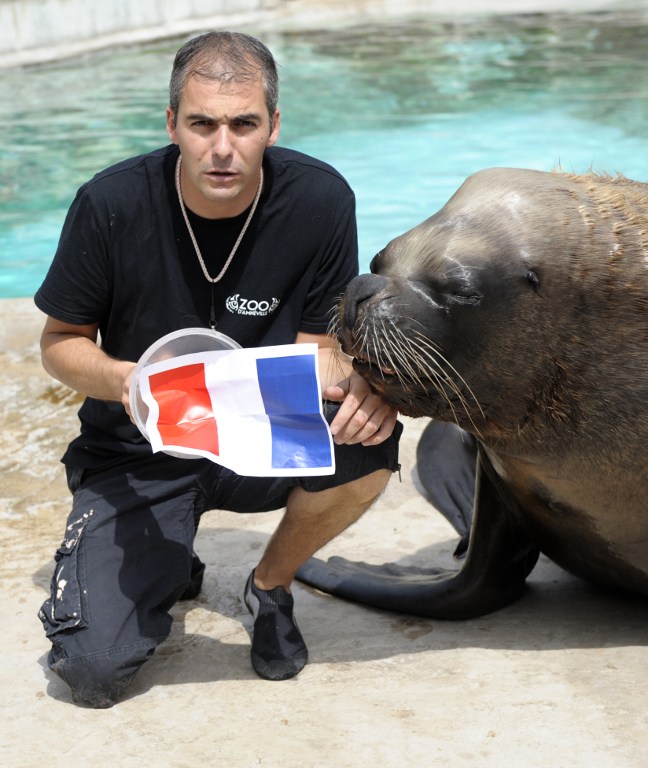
<point>406,109</point>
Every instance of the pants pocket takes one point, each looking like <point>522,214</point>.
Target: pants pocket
<point>64,609</point>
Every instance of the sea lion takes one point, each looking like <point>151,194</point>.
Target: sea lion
<point>519,313</point>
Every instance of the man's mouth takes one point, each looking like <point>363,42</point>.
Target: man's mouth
<point>221,175</point>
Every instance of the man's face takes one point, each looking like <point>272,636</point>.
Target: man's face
<point>222,131</point>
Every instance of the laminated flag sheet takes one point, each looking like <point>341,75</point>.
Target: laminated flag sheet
<point>256,411</point>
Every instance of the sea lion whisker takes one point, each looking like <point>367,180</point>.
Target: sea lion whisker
<point>444,384</point>
<point>440,382</point>
<point>361,341</point>
<point>390,351</point>
<point>423,340</point>
<point>432,368</point>
<point>394,368</point>
<point>375,348</point>
<point>377,351</point>
<point>419,329</point>
<point>424,365</point>
<point>401,343</point>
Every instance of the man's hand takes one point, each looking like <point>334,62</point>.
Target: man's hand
<point>363,417</point>
<point>128,381</point>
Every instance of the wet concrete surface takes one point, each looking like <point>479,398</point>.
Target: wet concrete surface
<point>556,680</point>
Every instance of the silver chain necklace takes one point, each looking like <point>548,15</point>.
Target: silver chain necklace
<point>208,277</point>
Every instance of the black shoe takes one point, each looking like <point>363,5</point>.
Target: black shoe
<point>278,649</point>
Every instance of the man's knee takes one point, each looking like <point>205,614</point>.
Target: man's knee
<point>365,490</point>
<point>100,679</point>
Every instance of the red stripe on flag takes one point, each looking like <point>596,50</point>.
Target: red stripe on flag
<point>186,417</point>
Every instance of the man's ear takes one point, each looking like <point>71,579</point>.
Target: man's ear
<point>171,125</point>
<point>274,133</point>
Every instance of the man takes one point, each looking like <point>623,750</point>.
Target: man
<point>219,228</point>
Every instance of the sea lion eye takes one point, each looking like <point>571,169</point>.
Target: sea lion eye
<point>533,278</point>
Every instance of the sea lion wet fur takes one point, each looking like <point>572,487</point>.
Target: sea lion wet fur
<point>519,312</point>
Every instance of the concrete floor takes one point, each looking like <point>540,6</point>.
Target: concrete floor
<point>555,681</point>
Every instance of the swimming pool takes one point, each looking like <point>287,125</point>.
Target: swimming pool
<point>406,109</point>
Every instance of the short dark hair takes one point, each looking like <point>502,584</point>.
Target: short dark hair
<point>230,57</point>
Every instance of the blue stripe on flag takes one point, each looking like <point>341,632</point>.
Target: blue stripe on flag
<point>291,400</point>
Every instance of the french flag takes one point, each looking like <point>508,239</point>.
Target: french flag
<point>255,411</point>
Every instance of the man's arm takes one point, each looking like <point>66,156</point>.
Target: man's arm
<point>70,354</point>
<point>363,416</point>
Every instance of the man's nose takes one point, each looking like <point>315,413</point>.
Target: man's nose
<point>222,144</point>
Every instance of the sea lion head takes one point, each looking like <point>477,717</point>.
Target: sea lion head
<point>490,312</point>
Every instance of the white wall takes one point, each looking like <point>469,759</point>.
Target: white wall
<point>41,30</point>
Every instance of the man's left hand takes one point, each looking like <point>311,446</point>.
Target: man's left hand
<point>364,417</point>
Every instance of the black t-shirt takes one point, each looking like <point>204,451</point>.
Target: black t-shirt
<point>125,260</point>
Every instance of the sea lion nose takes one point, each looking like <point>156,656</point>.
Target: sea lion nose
<point>360,289</point>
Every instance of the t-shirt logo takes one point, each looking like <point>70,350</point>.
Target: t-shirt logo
<point>240,306</point>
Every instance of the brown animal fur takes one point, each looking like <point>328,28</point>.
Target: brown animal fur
<point>519,311</point>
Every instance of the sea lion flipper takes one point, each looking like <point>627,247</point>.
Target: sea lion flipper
<point>499,559</point>
<point>445,463</point>
<point>378,585</point>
